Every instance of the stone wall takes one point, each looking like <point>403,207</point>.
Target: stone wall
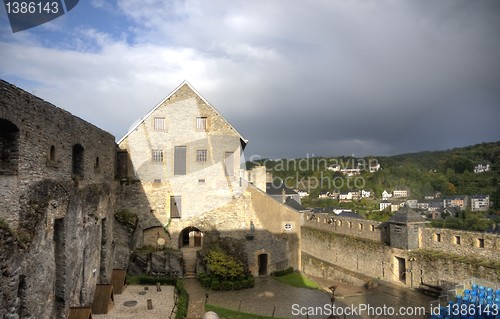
<point>57,207</point>
<point>479,244</point>
<point>331,250</point>
<point>360,228</point>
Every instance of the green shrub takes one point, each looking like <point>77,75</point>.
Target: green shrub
<point>202,275</point>
<point>227,285</point>
<point>283,272</point>
<point>127,219</point>
<point>237,285</point>
<point>205,282</point>
<point>251,281</point>
<point>245,284</point>
<point>182,304</point>
<point>215,285</point>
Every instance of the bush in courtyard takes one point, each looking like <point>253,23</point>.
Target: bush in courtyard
<point>215,285</point>
<point>251,281</point>
<point>237,285</point>
<point>182,304</point>
<point>245,284</point>
<point>227,285</point>
<point>223,266</point>
<point>205,282</point>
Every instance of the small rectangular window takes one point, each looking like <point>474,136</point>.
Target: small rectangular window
<point>201,123</point>
<point>201,155</point>
<point>397,229</point>
<point>157,156</point>
<point>437,237</point>
<point>175,207</point>
<point>201,181</point>
<point>157,181</point>
<point>180,160</point>
<point>361,226</point>
<point>159,123</point>
<point>350,224</point>
<point>480,242</point>
<point>457,240</point>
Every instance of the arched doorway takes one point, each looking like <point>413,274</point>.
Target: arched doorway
<point>191,237</point>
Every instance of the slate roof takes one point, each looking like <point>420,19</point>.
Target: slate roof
<point>271,189</point>
<point>294,204</point>
<point>405,216</point>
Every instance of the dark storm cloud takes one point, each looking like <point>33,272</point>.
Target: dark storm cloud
<point>295,78</point>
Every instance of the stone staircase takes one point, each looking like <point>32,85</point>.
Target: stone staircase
<point>189,256</point>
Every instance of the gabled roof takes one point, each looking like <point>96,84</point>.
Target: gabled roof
<point>169,96</point>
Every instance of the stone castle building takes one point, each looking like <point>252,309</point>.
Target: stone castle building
<point>65,182</point>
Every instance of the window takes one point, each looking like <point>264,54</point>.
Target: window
<point>361,226</point>
<point>201,181</point>
<point>96,164</point>
<point>437,237</point>
<point>201,123</point>
<point>121,164</point>
<point>157,181</point>
<point>77,160</point>
<point>201,155</point>
<point>180,160</point>
<point>229,163</point>
<point>350,224</point>
<point>397,229</point>
<point>457,240</point>
<point>175,207</point>
<point>157,156</point>
<point>288,227</point>
<point>480,243</point>
<point>159,123</point>
<point>372,227</point>
<point>52,155</point>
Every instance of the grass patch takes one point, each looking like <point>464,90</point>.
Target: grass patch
<point>233,314</point>
<point>296,279</point>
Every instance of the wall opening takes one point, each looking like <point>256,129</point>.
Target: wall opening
<point>9,148</point>
<point>104,241</point>
<point>262,261</point>
<point>122,164</point>
<point>191,237</point>
<point>52,154</point>
<point>78,160</point>
<point>60,262</point>
<point>400,267</point>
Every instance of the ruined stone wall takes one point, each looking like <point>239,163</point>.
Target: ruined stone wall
<point>57,240</point>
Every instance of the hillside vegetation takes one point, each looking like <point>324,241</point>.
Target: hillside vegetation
<point>450,172</point>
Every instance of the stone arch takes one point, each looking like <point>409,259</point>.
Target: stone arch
<point>78,160</point>
<point>9,148</point>
<point>191,237</point>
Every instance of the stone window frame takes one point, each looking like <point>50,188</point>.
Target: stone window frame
<point>437,237</point>
<point>202,155</point>
<point>157,155</point>
<point>159,123</point>
<point>202,123</point>
<point>480,242</point>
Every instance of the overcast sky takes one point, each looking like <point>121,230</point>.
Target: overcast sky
<point>323,77</point>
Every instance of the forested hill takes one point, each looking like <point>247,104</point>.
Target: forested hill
<point>449,172</point>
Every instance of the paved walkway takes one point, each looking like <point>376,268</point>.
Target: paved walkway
<point>272,297</point>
